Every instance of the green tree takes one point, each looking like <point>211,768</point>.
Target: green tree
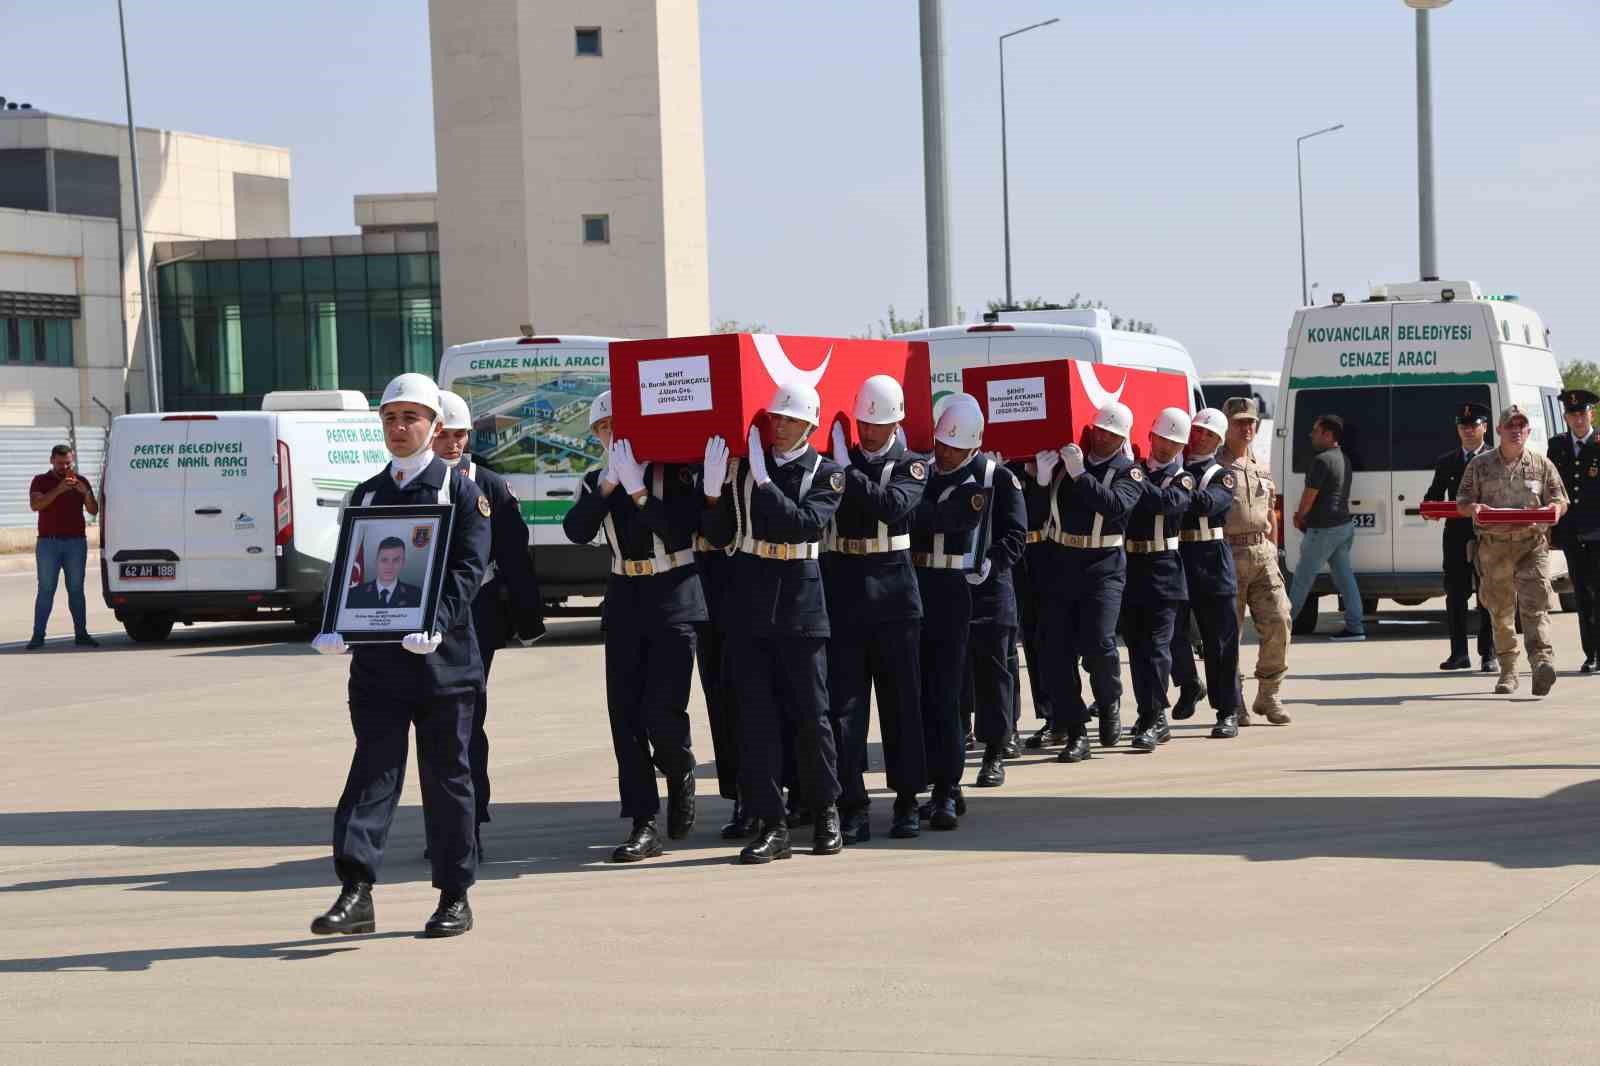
<point>733,325</point>
<point>1035,303</point>
<point>1581,374</point>
<point>893,323</point>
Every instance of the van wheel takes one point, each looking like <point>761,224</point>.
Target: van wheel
<point>149,628</point>
<point>1305,623</point>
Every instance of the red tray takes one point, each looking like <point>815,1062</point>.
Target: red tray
<point>1503,516</point>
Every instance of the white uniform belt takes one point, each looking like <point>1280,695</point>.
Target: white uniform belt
<point>651,567</point>
<point>870,545</point>
<point>1152,547</point>
<point>1190,536</point>
<point>1076,540</point>
<point>941,561</point>
<point>766,549</point>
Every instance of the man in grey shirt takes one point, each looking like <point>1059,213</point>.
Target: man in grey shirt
<point>1323,518</point>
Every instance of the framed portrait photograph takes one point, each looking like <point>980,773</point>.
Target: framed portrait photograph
<point>386,573</point>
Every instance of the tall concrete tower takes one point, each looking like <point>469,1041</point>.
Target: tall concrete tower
<point>571,165</point>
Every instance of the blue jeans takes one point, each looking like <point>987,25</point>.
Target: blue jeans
<point>1329,546</point>
<point>53,556</point>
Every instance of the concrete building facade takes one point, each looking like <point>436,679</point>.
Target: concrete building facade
<point>571,167</point>
<point>70,291</point>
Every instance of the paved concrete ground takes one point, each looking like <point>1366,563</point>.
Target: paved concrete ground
<point>1405,875</point>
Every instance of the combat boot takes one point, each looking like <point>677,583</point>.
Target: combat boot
<point>680,805</point>
<point>452,917</point>
<point>993,773</point>
<point>1268,706</point>
<point>1163,728</point>
<point>1544,679</point>
<point>1046,738</point>
<point>773,843</point>
<point>740,825</point>
<point>1012,749</point>
<point>643,843</point>
<point>352,912</point>
<point>1189,695</point>
<point>856,826</point>
<point>943,815</point>
<point>1144,733</point>
<point>1242,717</point>
<point>1077,749</point>
<point>827,838</point>
<point>1110,724</point>
<point>1508,680</point>
<point>907,819</point>
<point>1227,727</point>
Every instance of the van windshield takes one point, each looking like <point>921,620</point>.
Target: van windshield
<point>1266,396</point>
<point>532,422</point>
<point>1425,421</point>
<point>1406,427</point>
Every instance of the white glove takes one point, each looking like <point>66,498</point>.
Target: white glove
<point>329,644</point>
<point>841,450</point>
<point>715,471</point>
<point>1045,464</point>
<point>629,471</point>
<point>1072,459</point>
<point>608,473</point>
<point>421,643</point>
<point>982,575</point>
<point>758,458</point>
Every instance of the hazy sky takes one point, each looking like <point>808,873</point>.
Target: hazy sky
<point>1152,144</point>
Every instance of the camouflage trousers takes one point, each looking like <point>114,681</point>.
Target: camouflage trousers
<point>1513,576</point>
<point>1261,589</point>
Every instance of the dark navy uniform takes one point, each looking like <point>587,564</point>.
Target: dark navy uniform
<point>653,604</point>
<point>992,642</point>
<point>1156,586</point>
<point>1212,583</point>
<point>875,612</point>
<point>507,604</point>
<point>943,535</point>
<point>1578,532</point>
<point>1460,576</point>
<point>1040,559</point>
<point>1083,592</point>
<point>716,575</point>
<point>391,689</point>
<point>778,625</point>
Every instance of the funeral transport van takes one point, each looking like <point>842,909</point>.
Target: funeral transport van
<point>1220,386</point>
<point>230,515</point>
<point>1397,367</point>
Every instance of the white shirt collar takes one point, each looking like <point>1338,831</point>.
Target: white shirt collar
<point>785,458</point>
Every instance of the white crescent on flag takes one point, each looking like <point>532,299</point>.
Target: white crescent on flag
<point>779,368</point>
<point>1098,396</point>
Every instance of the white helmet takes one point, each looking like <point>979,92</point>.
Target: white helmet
<point>455,411</point>
<point>880,401</point>
<point>960,423</point>
<point>1172,424</point>
<point>797,400</point>
<point>600,407</point>
<point>412,388</point>
<point>1212,420</point>
<point>1115,418</point>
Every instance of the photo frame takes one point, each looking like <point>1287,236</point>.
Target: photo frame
<point>387,572</point>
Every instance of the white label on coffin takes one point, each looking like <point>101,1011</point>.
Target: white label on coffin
<point>672,386</point>
<point>1016,400</point>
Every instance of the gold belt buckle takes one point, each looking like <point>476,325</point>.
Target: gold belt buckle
<point>638,567</point>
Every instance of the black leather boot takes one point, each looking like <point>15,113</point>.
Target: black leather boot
<point>680,806</point>
<point>1110,724</point>
<point>740,825</point>
<point>993,773</point>
<point>772,843</point>
<point>1077,749</point>
<point>907,819</point>
<point>827,838</point>
<point>1144,733</point>
<point>857,826</point>
<point>643,843</point>
<point>1227,727</point>
<point>352,912</point>
<point>943,814</point>
<point>1189,696</point>
<point>1163,728</point>
<point>452,917</point>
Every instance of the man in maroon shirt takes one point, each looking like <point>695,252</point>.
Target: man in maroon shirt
<point>61,497</point>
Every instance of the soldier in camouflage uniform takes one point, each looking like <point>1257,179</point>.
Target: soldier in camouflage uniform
<point>1514,560</point>
<point>1250,533</point>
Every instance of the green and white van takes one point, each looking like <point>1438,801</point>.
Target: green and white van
<point>1397,368</point>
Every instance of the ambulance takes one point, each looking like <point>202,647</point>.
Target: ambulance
<point>230,515</point>
<point>1397,367</point>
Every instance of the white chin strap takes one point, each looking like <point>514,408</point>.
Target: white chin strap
<point>1206,458</point>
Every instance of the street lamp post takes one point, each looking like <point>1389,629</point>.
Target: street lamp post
<point>1427,248</point>
<point>146,321</point>
<point>1005,176</point>
<point>1300,184</point>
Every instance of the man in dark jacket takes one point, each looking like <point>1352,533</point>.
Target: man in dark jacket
<point>1576,454</point>
<point>1472,424</point>
<point>1208,569</point>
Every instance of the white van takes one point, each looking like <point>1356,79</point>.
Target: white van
<point>1397,367</point>
<point>230,515</point>
<point>529,398</point>
<point>1262,386</point>
<point>1029,336</point>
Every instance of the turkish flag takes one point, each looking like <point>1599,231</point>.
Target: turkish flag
<point>358,569</point>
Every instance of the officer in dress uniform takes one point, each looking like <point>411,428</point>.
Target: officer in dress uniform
<point>431,680</point>
<point>653,605</point>
<point>874,607</point>
<point>943,538</point>
<point>992,639</point>
<point>1155,575</point>
<point>1043,563</point>
<point>1090,503</point>
<point>716,682</point>
<point>1576,454</point>
<point>509,600</point>
<point>1208,568</point>
<point>1472,424</point>
<point>775,511</point>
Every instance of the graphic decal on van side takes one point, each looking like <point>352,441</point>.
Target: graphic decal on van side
<point>533,421</point>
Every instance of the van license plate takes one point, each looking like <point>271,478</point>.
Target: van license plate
<point>149,571</point>
<point>1365,519</point>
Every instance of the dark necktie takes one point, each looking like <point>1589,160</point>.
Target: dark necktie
<point>383,598</point>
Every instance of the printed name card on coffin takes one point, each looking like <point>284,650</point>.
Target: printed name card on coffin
<point>669,395</point>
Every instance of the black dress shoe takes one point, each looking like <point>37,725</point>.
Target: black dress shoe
<point>1457,662</point>
<point>1012,749</point>
<point>827,838</point>
<point>1490,665</point>
<point>84,640</point>
<point>1163,728</point>
<point>926,810</point>
<point>740,825</point>
<point>1046,738</point>
<point>773,843</point>
<point>1227,727</point>
<point>993,774</point>
<point>1077,750</point>
<point>1189,696</point>
<point>944,815</point>
<point>680,806</point>
<point>856,827</point>
<point>352,912</point>
<point>452,917</point>
<point>1144,733</point>
<point>970,742</point>
<point>907,821</point>
<point>1110,724</point>
<point>35,644</point>
<point>643,843</point>
<point>1590,665</point>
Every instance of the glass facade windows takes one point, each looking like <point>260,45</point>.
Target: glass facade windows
<point>87,184</point>
<point>23,180</point>
<point>36,341</point>
<point>234,330</point>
